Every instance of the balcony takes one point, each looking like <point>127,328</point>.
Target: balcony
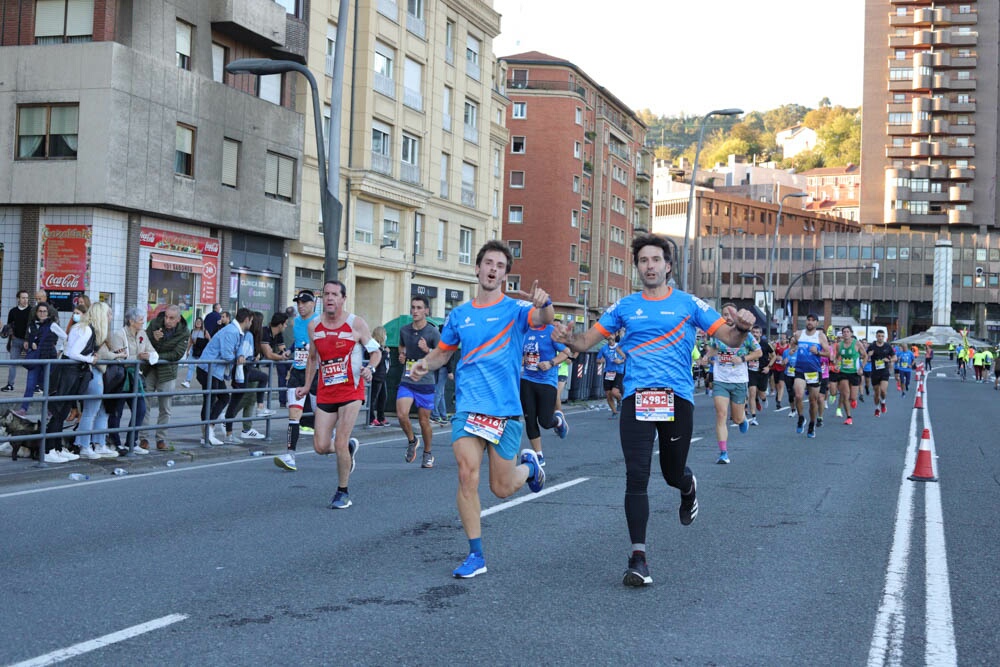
<point>385,85</point>
<point>965,129</point>
<point>416,26</point>
<point>959,217</point>
<point>920,149</point>
<point>919,127</point>
<point>966,39</point>
<point>897,192</point>
<point>641,174</point>
<point>409,172</point>
<point>939,126</point>
<point>472,69</point>
<point>381,163</point>
<point>413,99</point>
<point>446,122</point>
<point>938,171</point>
<point>389,9</point>
<point>468,196</point>
<point>897,151</point>
<point>471,134</point>
<point>260,23</point>
<point>960,194</point>
<point>963,107</point>
<point>922,38</point>
<point>619,151</point>
<point>904,21</point>
<point>959,174</point>
<point>534,84</point>
<point>642,201</point>
<point>897,216</point>
<point>962,151</point>
<point>588,168</point>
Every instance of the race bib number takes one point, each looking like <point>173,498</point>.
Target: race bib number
<point>488,428</point>
<point>301,356</point>
<point>610,376</point>
<point>531,361</point>
<point>409,366</point>
<point>879,364</point>
<point>726,359</point>
<point>754,365</point>
<point>790,370</point>
<point>654,405</point>
<point>812,377</point>
<point>333,372</point>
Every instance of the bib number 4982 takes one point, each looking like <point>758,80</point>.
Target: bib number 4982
<point>654,405</point>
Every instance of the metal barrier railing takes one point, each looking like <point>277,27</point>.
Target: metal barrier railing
<point>47,401</point>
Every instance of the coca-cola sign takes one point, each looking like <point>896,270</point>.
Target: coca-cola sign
<point>150,237</point>
<point>65,264</point>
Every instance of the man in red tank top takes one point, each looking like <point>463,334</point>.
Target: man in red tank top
<point>336,343</point>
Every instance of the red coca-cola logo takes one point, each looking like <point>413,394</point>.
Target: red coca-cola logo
<point>67,281</point>
<point>211,247</point>
<point>147,237</point>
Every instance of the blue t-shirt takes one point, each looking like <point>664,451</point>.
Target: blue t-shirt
<point>904,361</point>
<point>659,337</point>
<point>539,346</point>
<point>788,358</point>
<point>807,358</point>
<point>612,361</point>
<point>487,377</point>
<point>300,348</point>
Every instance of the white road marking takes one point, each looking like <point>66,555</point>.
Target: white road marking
<point>94,644</point>
<point>523,499</point>
<point>782,409</point>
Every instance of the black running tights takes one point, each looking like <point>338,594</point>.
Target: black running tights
<point>539,403</point>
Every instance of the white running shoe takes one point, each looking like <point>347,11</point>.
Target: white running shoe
<point>252,434</point>
<point>264,412</point>
<point>69,456</point>
<point>89,453</point>
<point>286,461</point>
<point>135,450</point>
<point>233,439</point>
<point>186,384</point>
<point>54,457</point>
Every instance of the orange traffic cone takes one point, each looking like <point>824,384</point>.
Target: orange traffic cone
<point>919,403</point>
<point>923,471</point>
<point>920,388</point>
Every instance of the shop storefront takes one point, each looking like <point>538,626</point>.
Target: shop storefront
<point>183,271</point>
<point>452,299</point>
<point>255,278</point>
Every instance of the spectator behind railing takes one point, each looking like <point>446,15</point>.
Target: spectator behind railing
<point>196,343</point>
<point>168,332</point>
<point>81,346</point>
<point>16,333</point>
<point>42,337</point>
<point>94,417</point>
<point>132,340</point>
<point>252,377</point>
<point>223,350</point>
<point>272,347</point>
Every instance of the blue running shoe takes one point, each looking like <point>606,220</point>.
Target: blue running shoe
<point>536,476</point>
<point>723,458</point>
<point>340,501</point>
<point>744,425</point>
<point>474,564</point>
<point>801,423</point>
<point>563,429</point>
<point>811,433</point>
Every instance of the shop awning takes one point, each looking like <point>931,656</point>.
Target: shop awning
<point>175,263</point>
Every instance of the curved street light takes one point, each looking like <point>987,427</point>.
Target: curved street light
<point>694,172</point>
<point>770,258</point>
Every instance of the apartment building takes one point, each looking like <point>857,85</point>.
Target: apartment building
<point>577,184</point>
<point>134,169</point>
<point>422,137</point>
<point>929,134</point>
<point>835,190</point>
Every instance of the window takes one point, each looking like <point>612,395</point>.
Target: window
<point>381,147</point>
<point>496,162</point>
<point>279,176</point>
<point>471,116</point>
<point>616,265</point>
<point>449,42</point>
<point>517,179</point>
<point>331,47</point>
<point>220,56</point>
<point>515,248</point>
<point>185,34</point>
<point>578,116</point>
<point>965,9</point>
<point>184,152</point>
<point>59,21</point>
<point>961,120</point>
<point>472,48</point>
<point>364,221</point>
<point>47,132</point>
<point>418,233</point>
<point>410,157</point>
<point>269,88</point>
<point>326,124</point>
<point>442,239</point>
<point>572,286</point>
<point>445,171</point>
<point>513,283</point>
<point>618,235</point>
<point>230,162</point>
<point>390,227</point>
<point>468,184</point>
<point>517,145</point>
<point>415,18</point>
<point>446,115</point>
<point>291,6</point>
<point>464,245</point>
<point>574,218</point>
<point>413,74</point>
<point>519,110</point>
<point>515,215</point>
<point>573,252</point>
<point>496,204</point>
<point>900,54</point>
<point>576,184</point>
<point>384,83</point>
<point>900,73</point>
<point>964,75</point>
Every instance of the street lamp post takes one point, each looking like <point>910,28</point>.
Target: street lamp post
<point>329,172</point>
<point>769,305</point>
<point>585,284</point>
<point>694,172</point>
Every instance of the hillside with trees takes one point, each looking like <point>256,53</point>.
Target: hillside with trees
<point>838,131</point>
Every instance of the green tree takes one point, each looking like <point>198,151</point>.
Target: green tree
<point>783,117</point>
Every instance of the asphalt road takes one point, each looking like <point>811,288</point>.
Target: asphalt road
<point>800,555</point>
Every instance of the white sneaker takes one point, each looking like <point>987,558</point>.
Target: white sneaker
<point>252,434</point>
<point>212,440</point>
<point>264,412</point>
<point>286,461</point>
<point>106,452</point>
<point>233,439</point>
<point>89,453</point>
<point>54,457</point>
<point>6,448</point>
<point>186,384</point>
<point>136,450</point>
<point>69,456</point>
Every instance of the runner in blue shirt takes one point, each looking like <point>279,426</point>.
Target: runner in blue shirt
<point>613,359</point>
<point>539,378</point>
<point>661,324</point>
<point>305,302</point>
<point>904,367</point>
<point>490,330</point>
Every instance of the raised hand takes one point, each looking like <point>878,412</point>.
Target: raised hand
<point>537,296</point>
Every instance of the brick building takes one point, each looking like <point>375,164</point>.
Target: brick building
<point>577,183</point>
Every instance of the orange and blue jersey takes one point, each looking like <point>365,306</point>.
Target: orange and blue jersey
<point>538,347</point>
<point>488,374</point>
<point>659,337</point>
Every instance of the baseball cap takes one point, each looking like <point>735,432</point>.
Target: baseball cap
<point>812,316</point>
<point>305,295</point>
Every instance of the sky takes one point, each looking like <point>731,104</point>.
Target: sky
<point>750,54</point>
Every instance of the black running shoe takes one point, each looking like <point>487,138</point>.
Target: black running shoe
<point>637,573</point>
<point>689,502</point>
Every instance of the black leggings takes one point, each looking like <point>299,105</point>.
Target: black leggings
<point>379,395</point>
<point>539,403</point>
<point>637,446</point>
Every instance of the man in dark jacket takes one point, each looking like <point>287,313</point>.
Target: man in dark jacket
<point>18,319</point>
<point>168,333</point>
